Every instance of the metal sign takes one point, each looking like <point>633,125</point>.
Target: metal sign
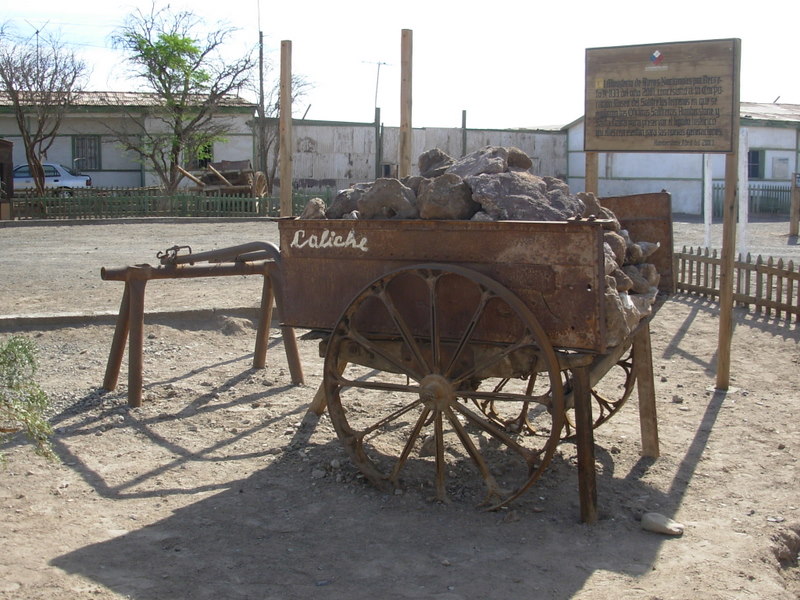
<point>671,97</point>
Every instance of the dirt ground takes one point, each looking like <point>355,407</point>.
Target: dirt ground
<point>220,485</point>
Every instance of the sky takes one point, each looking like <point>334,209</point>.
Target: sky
<point>515,64</point>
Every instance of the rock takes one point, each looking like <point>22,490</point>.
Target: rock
<point>346,201</point>
<point>658,523</point>
<point>489,160</point>
<point>482,216</point>
<point>623,282</point>
<point>388,199</point>
<point>434,162</point>
<point>315,209</point>
<point>618,245</point>
<point>446,197</point>
<point>518,160</point>
<point>522,196</point>
<point>640,284</point>
<point>593,208</point>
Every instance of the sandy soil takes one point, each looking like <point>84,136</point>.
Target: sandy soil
<point>220,486</point>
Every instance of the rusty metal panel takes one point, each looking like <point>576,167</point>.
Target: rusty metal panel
<point>556,269</point>
<point>648,218</point>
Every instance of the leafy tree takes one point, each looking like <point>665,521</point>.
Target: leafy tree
<point>41,80</point>
<point>191,81</point>
<point>23,403</point>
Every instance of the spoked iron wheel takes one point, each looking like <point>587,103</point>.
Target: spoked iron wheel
<point>609,394</point>
<point>402,374</point>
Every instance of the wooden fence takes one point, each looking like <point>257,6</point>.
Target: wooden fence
<point>120,203</point>
<point>771,287</point>
<point>763,199</point>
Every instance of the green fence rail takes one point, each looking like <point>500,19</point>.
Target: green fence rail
<point>121,203</point>
<point>763,199</point>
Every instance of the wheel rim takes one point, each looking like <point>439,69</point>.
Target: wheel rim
<point>405,363</point>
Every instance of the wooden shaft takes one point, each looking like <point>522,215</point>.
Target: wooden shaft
<point>584,437</point>
<point>592,173</point>
<point>729,237</point>
<point>285,129</point>
<point>794,210</point>
<point>643,369</point>
<point>726,274</point>
<point>136,342</point>
<point>118,343</point>
<point>265,319</point>
<point>406,51</point>
<point>186,173</point>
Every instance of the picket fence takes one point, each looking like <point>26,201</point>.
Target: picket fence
<point>771,287</point>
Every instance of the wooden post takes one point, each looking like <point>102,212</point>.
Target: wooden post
<point>136,341</point>
<point>729,239</point>
<point>643,365</point>
<point>592,184</point>
<point>404,166</point>
<point>584,438</point>
<point>794,210</point>
<point>285,129</point>
<point>118,343</point>
<point>265,319</point>
<point>463,133</point>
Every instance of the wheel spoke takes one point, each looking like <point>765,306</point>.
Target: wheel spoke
<point>389,418</point>
<point>497,433</point>
<point>409,445</point>
<point>468,331</point>
<point>493,488</point>
<point>436,341</point>
<point>404,330</point>
<point>377,350</point>
<point>441,494</point>
<point>493,360</point>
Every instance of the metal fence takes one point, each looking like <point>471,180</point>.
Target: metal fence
<point>763,199</point>
<point>771,287</point>
<point>112,203</point>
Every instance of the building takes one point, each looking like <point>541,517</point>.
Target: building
<point>333,155</point>
<point>769,149</point>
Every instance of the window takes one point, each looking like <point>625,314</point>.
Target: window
<point>204,156</point>
<point>86,150</point>
<point>755,164</point>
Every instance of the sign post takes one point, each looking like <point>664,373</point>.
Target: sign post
<point>672,97</point>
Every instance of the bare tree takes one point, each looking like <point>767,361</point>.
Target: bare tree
<point>191,81</point>
<point>41,80</point>
<point>267,129</point>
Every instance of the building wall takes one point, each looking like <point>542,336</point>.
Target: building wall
<point>682,174</point>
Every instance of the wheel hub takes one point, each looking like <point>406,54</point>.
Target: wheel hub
<point>436,392</point>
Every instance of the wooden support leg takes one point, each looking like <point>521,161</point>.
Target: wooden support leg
<point>584,435</point>
<point>118,343</point>
<point>320,402</point>
<point>643,368</point>
<point>136,342</point>
<point>265,319</point>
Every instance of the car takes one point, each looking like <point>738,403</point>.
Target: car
<point>56,177</point>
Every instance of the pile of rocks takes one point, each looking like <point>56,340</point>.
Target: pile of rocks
<point>495,184</point>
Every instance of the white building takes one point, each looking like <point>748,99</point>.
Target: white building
<point>769,143</point>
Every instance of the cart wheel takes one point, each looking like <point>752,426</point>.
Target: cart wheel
<point>258,185</point>
<point>609,394</point>
<point>402,371</point>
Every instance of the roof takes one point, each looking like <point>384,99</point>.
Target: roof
<point>783,113</point>
<point>131,99</point>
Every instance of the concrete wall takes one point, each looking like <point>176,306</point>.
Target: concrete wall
<point>682,174</point>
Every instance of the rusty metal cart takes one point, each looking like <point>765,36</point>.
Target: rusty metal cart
<point>456,347</point>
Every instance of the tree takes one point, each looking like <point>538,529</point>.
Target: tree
<point>267,130</point>
<point>23,403</point>
<point>41,82</point>
<point>191,80</point>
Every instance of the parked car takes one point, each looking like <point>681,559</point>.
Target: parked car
<point>56,177</point>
